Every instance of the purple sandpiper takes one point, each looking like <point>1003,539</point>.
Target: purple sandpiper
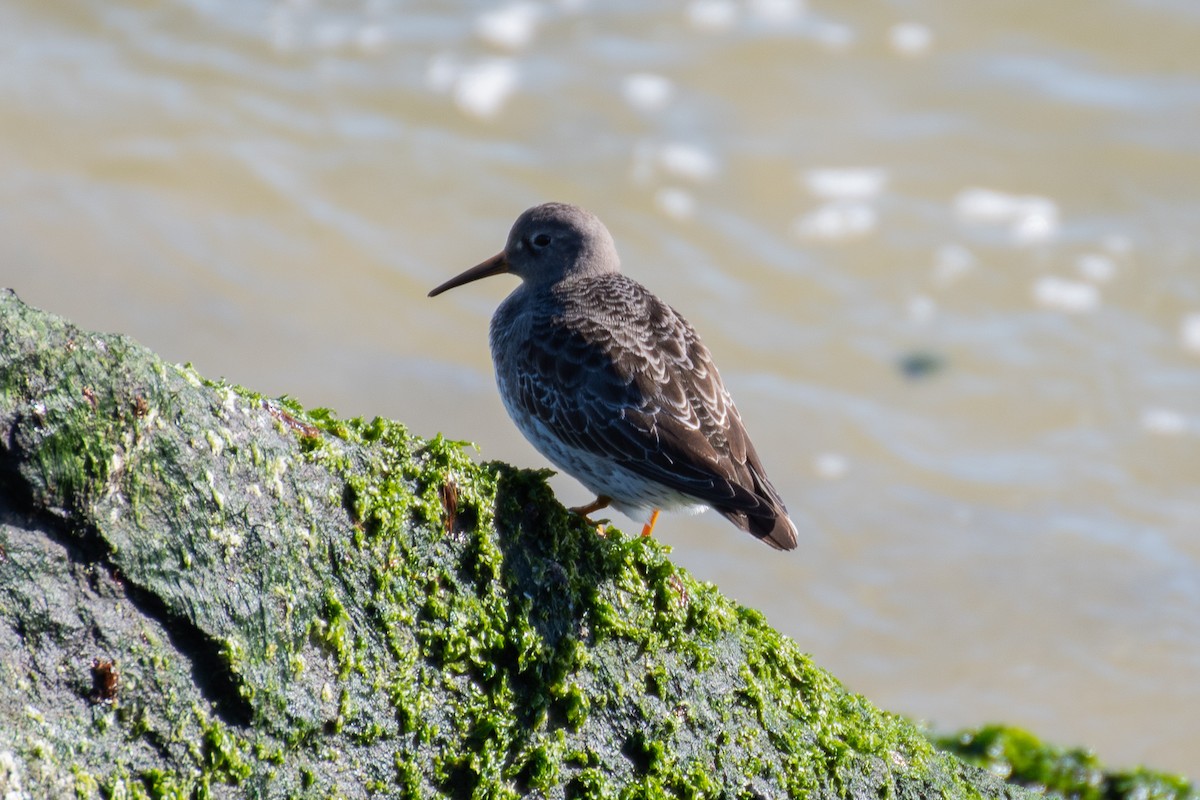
<point>613,386</point>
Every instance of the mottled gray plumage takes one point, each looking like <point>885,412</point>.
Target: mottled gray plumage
<point>613,385</point>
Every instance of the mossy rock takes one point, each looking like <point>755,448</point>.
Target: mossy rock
<point>206,593</point>
<point>1075,773</point>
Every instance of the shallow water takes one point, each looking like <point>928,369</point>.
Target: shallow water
<point>947,259</point>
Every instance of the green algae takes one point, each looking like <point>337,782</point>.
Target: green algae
<point>1019,756</point>
<point>303,606</point>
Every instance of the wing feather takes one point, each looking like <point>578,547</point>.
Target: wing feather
<point>616,372</point>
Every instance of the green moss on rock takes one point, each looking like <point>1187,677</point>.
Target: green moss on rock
<point>302,606</point>
<point>1020,757</point>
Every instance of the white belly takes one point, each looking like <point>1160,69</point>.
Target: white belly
<point>631,494</point>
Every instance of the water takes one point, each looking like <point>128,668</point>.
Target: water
<point>946,257</point>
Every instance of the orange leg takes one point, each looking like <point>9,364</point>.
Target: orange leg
<point>600,502</point>
<point>649,526</point>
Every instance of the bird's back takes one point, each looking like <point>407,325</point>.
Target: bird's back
<point>605,368</point>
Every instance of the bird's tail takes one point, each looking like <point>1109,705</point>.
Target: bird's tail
<point>772,525</point>
<point>763,516</point>
<point>782,533</point>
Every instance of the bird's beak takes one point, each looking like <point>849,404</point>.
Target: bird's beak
<point>493,266</point>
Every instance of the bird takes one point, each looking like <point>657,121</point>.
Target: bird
<point>614,386</point>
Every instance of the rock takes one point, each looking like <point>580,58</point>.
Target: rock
<point>206,593</point>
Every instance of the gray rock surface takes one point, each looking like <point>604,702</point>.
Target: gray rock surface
<point>205,593</point>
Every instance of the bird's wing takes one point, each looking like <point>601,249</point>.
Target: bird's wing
<point>631,381</point>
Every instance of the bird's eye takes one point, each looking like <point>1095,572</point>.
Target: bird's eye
<point>542,239</point>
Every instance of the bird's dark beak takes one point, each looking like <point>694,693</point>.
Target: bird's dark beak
<point>493,266</point>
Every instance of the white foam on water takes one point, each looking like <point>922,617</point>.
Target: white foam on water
<point>910,38</point>
<point>1030,219</point>
<point>482,89</point>
<point>1164,421</point>
<point>711,15</point>
<point>847,183</point>
<point>921,308</point>
<point>1035,227</point>
<point>986,205</point>
<point>1118,244</point>
<point>1065,295</point>
<point>839,220</point>
<point>510,27</point>
<point>831,466</point>
<point>1189,333</point>
<point>676,203</point>
<point>1096,267</point>
<point>776,10</point>
<point>689,161</point>
<point>832,35</point>
<point>951,262</point>
<point>647,91</point>
<point>371,39</point>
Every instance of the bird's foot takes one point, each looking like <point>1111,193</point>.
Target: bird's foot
<point>648,528</point>
<point>603,501</point>
<point>600,502</point>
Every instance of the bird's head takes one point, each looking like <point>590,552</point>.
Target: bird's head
<point>547,244</point>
